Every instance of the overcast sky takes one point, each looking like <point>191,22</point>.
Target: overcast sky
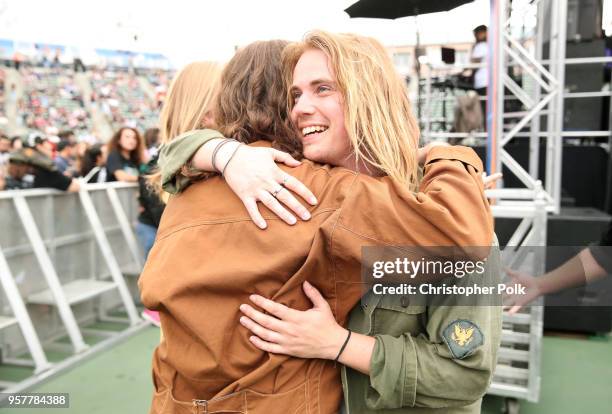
<point>191,30</point>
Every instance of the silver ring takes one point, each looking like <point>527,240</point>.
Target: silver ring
<point>275,192</point>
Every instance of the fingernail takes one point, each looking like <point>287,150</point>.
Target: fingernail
<point>292,220</point>
<point>242,320</point>
<point>253,298</point>
<point>308,285</point>
<point>313,200</point>
<point>306,215</point>
<point>243,307</point>
<point>262,225</point>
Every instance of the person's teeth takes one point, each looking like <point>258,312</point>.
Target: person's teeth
<point>311,129</point>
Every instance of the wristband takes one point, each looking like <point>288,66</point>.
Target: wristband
<point>343,345</point>
<point>230,159</point>
<point>216,150</point>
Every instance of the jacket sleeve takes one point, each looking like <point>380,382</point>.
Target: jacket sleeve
<point>177,153</point>
<point>449,210</point>
<point>450,364</point>
<point>418,372</point>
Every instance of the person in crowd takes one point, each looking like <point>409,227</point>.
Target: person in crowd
<point>369,199</point>
<point>589,265</point>
<point>30,161</point>
<point>125,155</point>
<point>151,137</point>
<point>93,164</point>
<point>151,209</point>
<point>43,145</point>
<point>67,135</point>
<point>56,59</point>
<point>5,149</point>
<point>78,65</point>
<point>16,143</point>
<point>18,59</point>
<point>79,149</point>
<point>481,75</point>
<point>65,158</point>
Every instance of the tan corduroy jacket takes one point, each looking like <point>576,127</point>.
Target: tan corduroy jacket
<point>209,257</point>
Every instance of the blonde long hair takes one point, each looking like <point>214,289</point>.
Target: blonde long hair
<point>381,127</point>
<point>191,95</point>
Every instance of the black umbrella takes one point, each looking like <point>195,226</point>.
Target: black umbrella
<point>393,9</point>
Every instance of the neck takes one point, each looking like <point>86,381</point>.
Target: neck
<point>361,167</point>
<point>124,153</point>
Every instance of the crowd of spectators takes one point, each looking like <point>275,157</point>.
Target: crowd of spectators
<point>57,147</point>
<point>122,99</point>
<point>63,162</point>
<point>52,101</point>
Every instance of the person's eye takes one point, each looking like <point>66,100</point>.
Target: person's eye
<point>323,88</point>
<point>295,95</point>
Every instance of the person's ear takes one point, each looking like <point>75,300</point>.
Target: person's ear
<point>208,120</point>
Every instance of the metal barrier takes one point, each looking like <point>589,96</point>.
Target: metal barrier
<point>517,375</point>
<point>63,262</point>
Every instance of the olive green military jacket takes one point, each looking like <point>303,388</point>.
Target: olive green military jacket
<point>416,367</point>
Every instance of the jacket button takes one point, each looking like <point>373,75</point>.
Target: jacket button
<point>404,301</point>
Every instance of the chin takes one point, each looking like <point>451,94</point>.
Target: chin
<point>313,154</point>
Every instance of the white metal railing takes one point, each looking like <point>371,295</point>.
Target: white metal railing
<point>57,252</point>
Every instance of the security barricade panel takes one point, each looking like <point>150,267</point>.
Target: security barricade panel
<point>64,254</point>
<point>121,238</point>
<point>14,314</point>
<point>517,374</point>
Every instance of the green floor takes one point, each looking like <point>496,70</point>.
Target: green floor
<point>576,378</point>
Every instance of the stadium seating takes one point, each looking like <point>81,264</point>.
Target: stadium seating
<point>123,100</point>
<point>54,99</point>
<point>51,99</point>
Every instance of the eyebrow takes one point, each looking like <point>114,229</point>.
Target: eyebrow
<point>314,83</point>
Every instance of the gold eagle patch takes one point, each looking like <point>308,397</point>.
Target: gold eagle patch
<point>462,337</point>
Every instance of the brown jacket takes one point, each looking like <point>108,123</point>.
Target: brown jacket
<point>209,257</point>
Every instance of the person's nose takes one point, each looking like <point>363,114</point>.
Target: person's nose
<point>304,106</point>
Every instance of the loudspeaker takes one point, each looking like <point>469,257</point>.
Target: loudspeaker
<point>584,172</point>
<point>584,113</point>
<point>584,19</point>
